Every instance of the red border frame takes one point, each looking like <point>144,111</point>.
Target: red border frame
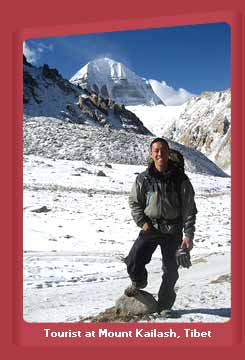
<point>228,336</point>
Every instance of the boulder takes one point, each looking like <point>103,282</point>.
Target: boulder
<point>141,304</point>
<point>100,173</point>
<point>141,307</point>
<point>41,209</point>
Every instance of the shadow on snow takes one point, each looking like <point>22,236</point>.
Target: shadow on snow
<point>224,312</point>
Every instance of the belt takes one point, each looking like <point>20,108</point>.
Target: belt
<point>162,221</point>
<point>164,225</point>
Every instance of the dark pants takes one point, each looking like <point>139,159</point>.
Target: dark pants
<point>140,255</point>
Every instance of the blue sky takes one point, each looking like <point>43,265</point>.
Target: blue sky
<point>196,57</point>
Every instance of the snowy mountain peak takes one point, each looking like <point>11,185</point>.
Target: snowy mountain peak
<point>106,66</point>
<point>115,69</point>
<point>112,79</point>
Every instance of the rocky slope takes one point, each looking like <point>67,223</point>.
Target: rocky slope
<point>55,139</point>
<point>46,93</point>
<point>205,125</point>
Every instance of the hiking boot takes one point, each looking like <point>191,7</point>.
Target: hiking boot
<point>132,289</point>
<point>168,313</point>
<point>165,313</point>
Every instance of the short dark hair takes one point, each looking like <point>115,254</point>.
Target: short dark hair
<point>161,140</point>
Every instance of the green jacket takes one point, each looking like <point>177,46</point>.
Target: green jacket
<point>164,199</point>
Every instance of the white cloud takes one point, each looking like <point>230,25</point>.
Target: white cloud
<point>169,95</point>
<point>31,55</point>
<point>34,54</point>
<point>42,47</point>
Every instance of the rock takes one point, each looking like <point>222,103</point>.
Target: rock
<point>41,209</point>
<point>221,279</point>
<point>108,165</point>
<point>140,304</point>
<point>50,73</point>
<point>128,309</point>
<point>101,173</point>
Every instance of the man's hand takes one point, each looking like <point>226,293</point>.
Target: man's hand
<point>187,244</point>
<point>183,258</point>
<point>146,227</point>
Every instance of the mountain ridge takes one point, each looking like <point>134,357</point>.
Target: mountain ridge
<point>202,123</point>
<point>205,125</point>
<point>46,93</point>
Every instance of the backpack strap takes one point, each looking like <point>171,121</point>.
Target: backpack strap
<point>151,183</point>
<point>180,177</point>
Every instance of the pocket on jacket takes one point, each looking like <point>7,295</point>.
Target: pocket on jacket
<point>153,201</point>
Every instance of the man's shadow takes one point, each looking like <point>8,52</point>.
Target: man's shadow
<point>223,312</point>
<point>147,298</point>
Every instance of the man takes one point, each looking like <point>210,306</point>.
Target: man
<point>162,205</point>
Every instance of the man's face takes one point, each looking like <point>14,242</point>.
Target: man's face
<point>159,153</point>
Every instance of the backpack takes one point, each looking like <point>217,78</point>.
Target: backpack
<point>177,159</point>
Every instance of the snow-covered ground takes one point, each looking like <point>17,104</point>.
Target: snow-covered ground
<point>72,248</point>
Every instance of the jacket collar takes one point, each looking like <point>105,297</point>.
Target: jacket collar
<point>168,173</point>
